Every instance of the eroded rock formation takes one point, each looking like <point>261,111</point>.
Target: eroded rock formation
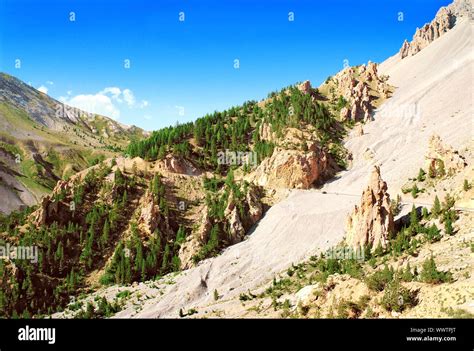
<point>291,169</point>
<point>52,208</point>
<point>237,225</point>
<point>445,19</point>
<point>360,86</point>
<point>371,223</point>
<point>438,152</point>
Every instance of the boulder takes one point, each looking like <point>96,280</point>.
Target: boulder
<point>291,169</point>
<point>439,151</point>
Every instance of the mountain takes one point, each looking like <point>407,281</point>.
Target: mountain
<point>446,18</point>
<point>270,274</point>
<point>256,211</point>
<point>44,140</point>
<point>181,195</point>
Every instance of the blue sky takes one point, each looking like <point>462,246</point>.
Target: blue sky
<point>181,70</point>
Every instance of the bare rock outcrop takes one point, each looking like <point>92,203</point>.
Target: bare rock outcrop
<point>149,215</point>
<point>360,86</point>
<point>438,152</point>
<point>52,208</point>
<point>237,225</point>
<point>445,19</point>
<point>305,87</point>
<point>371,223</point>
<point>177,165</point>
<point>297,160</point>
<point>265,132</point>
<point>291,169</point>
<point>236,228</point>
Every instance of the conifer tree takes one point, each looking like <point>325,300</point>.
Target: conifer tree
<point>448,225</point>
<point>436,209</point>
<point>166,253</point>
<point>105,233</point>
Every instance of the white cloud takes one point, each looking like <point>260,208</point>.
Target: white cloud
<point>43,89</point>
<point>106,102</point>
<point>50,82</point>
<point>98,103</point>
<point>129,97</point>
<point>148,117</point>
<point>114,91</point>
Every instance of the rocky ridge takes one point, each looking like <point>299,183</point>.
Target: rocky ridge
<point>361,88</point>
<point>445,20</point>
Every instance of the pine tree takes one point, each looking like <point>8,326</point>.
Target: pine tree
<point>124,198</point>
<point>155,186</point>
<point>176,263</point>
<point>138,255</point>
<point>415,191</point>
<point>448,225</point>
<point>143,271</point>
<point>425,213</point>
<point>105,233</point>
<point>414,221</point>
<point>436,209</point>
<point>166,253</point>
<point>180,236</point>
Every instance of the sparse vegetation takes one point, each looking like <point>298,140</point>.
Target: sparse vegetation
<point>397,298</point>
<point>431,275</point>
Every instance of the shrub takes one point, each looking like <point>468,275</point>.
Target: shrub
<point>432,234</point>
<point>466,185</point>
<point>348,309</point>
<point>397,298</point>
<point>431,275</point>
<point>415,191</point>
<point>448,226</point>
<point>407,275</point>
<point>448,203</point>
<point>421,175</point>
<point>395,205</point>
<point>440,170</point>
<point>414,220</point>
<point>424,213</point>
<point>378,280</point>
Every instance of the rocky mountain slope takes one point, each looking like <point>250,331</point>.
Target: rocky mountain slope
<point>446,18</point>
<point>433,95</point>
<point>189,192</point>
<point>43,140</point>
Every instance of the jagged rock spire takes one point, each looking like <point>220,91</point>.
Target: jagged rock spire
<point>372,222</point>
